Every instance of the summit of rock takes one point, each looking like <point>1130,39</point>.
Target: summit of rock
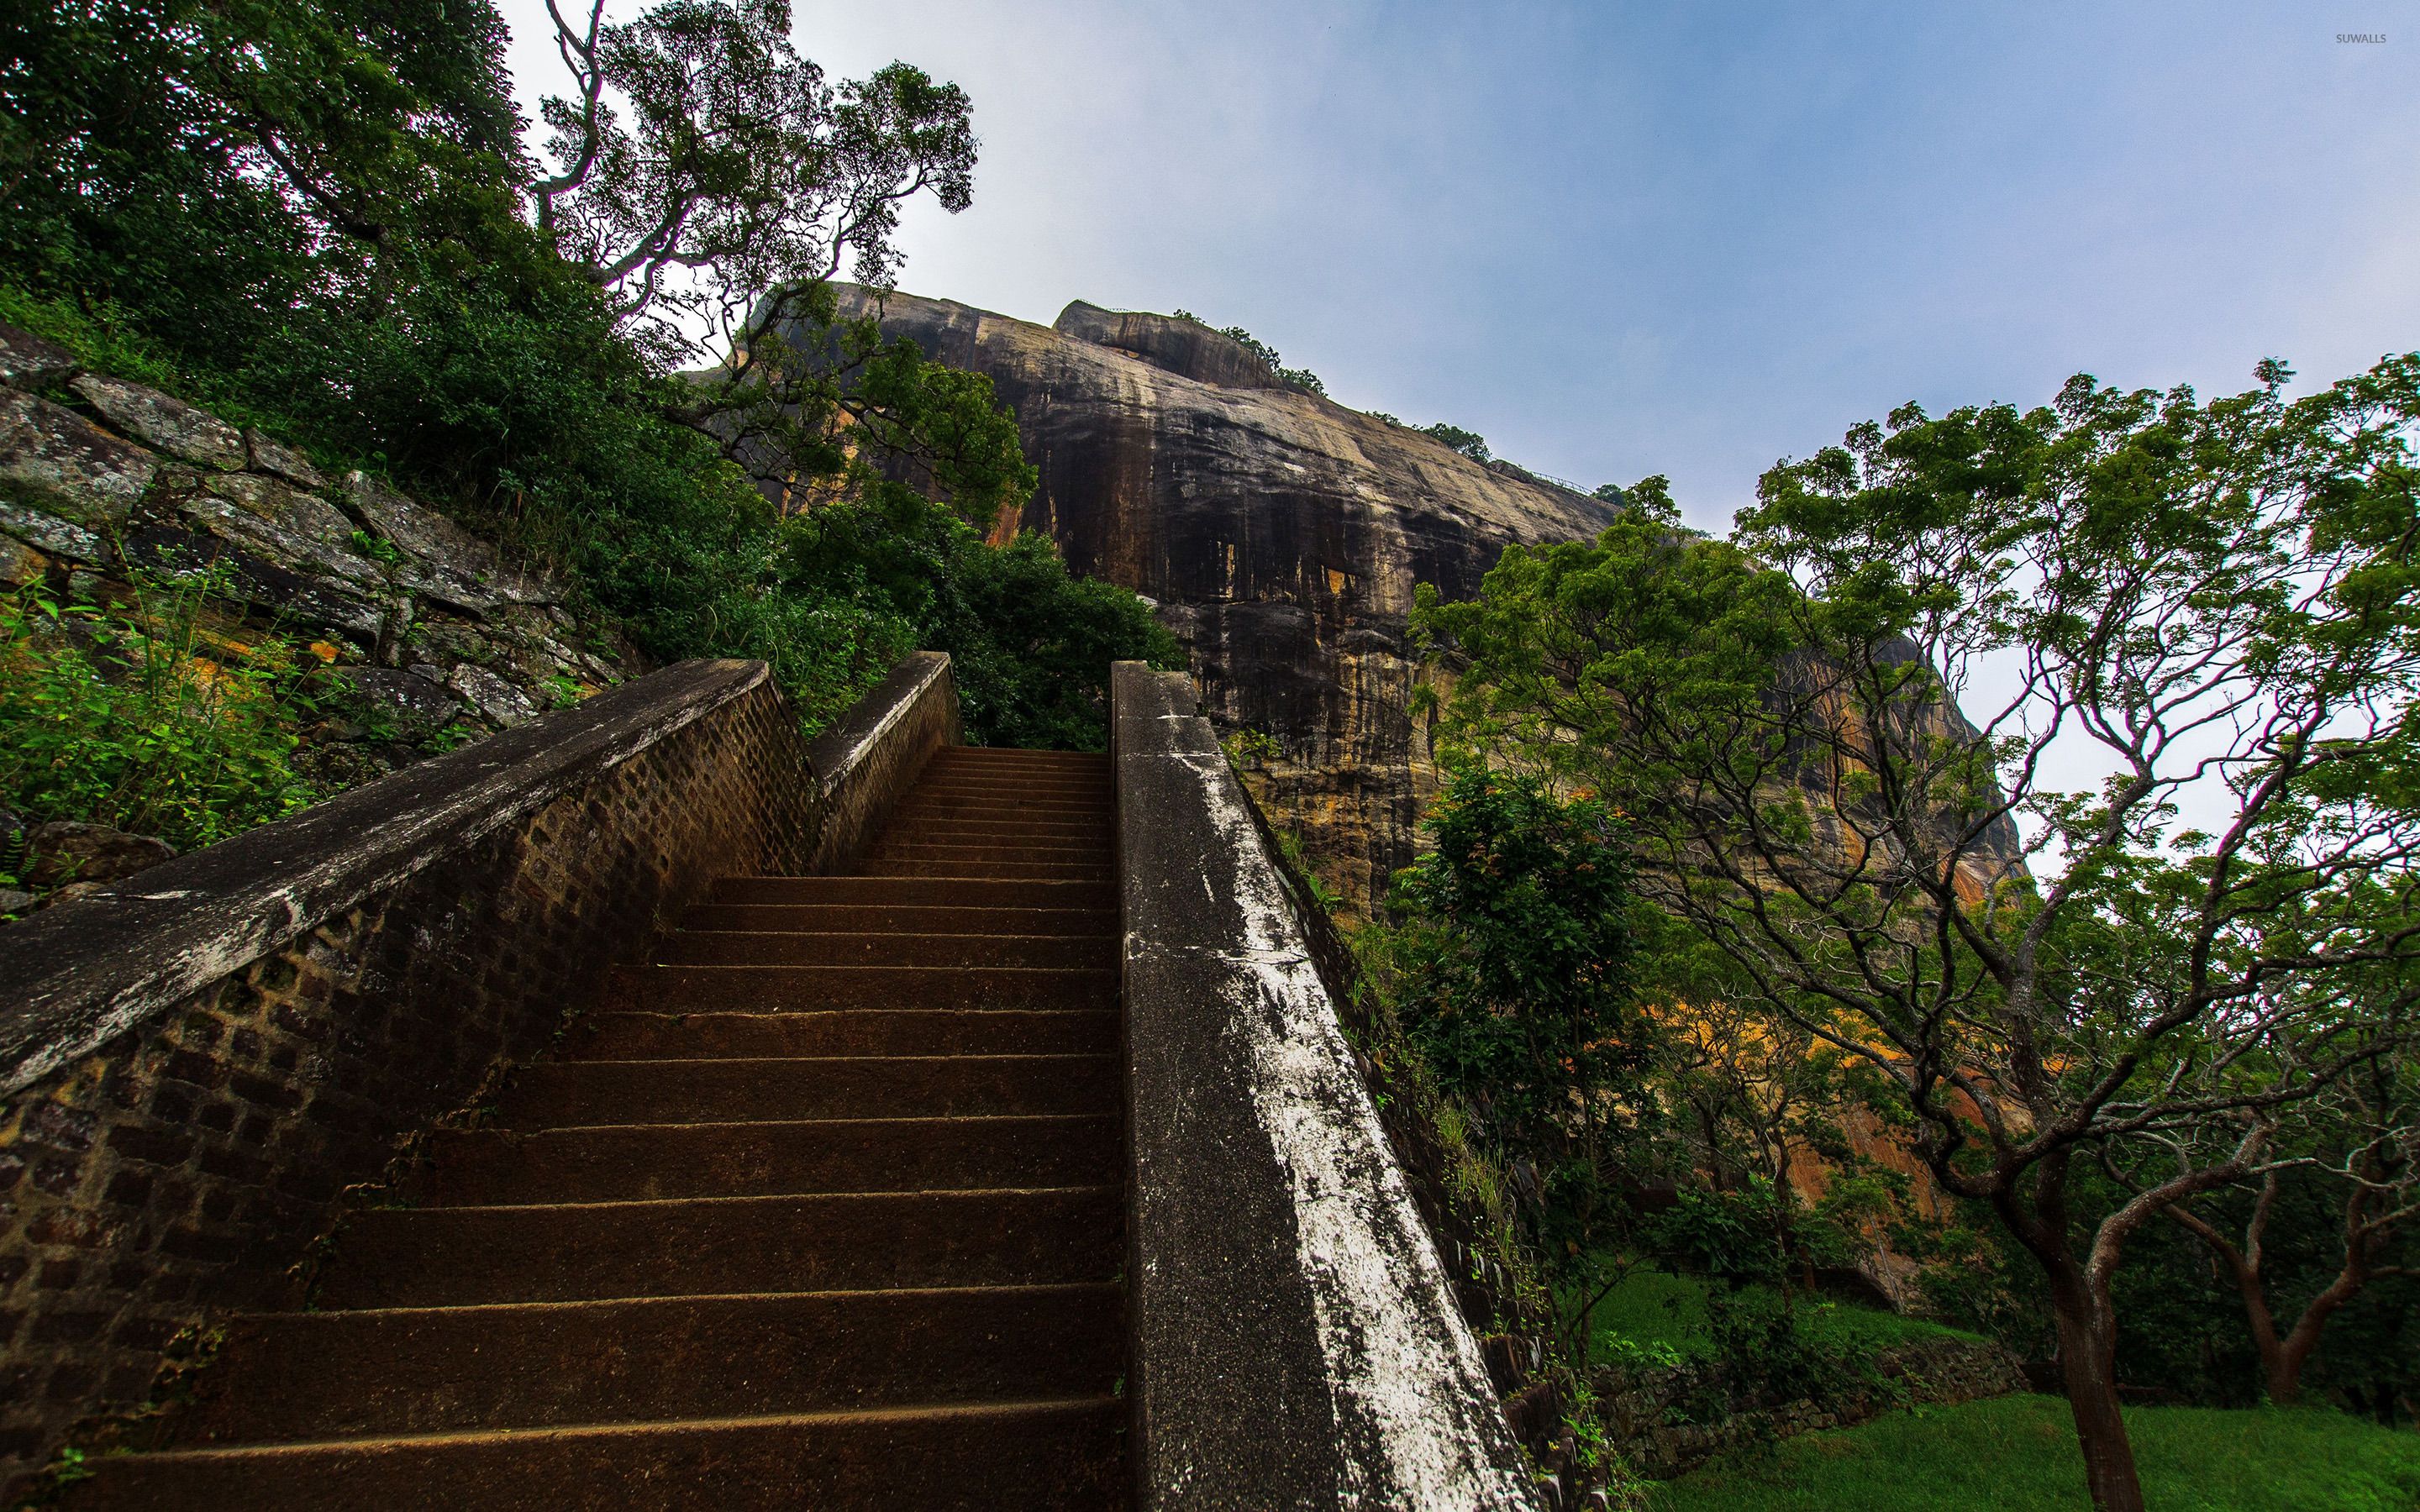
<point>1186,347</point>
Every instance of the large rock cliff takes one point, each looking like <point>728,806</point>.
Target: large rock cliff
<point>1280,533</point>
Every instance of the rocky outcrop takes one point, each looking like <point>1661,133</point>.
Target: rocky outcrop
<point>107,486</point>
<point>1187,348</point>
<point>1280,533</point>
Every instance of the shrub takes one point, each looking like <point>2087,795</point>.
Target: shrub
<point>135,717</point>
<point>1516,990</point>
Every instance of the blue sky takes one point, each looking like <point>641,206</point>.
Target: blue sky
<point>1622,240</point>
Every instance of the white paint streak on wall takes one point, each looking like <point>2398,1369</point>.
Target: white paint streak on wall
<point>1403,1363</point>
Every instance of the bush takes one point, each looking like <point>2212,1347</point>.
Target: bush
<point>1516,990</point>
<point>135,717</point>
<point>308,215</point>
<point>1031,645</point>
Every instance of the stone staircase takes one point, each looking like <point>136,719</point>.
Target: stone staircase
<point>822,1209</point>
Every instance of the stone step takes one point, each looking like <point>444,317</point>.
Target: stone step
<point>1019,754</point>
<point>975,824</point>
<point>1043,792</point>
<point>768,989</point>
<point>997,871</point>
<point>899,919</point>
<point>950,833</point>
<point>825,1208</point>
<point>585,1093</point>
<point>784,947</point>
<point>1091,809</point>
<point>976,759</point>
<point>948,829</point>
<point>945,773</point>
<point>1058,852</point>
<point>861,1032</point>
<point>298,1376</point>
<point>656,1161</point>
<point>918,892</point>
<point>1004,1456</point>
<point>721,1246</point>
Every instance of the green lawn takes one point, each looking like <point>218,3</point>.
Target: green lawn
<point>1651,1308</point>
<point>2018,1454</point>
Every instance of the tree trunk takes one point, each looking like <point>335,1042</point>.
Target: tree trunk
<point>2284,1377</point>
<point>2286,1368</point>
<point>2285,1373</point>
<point>2088,1358</point>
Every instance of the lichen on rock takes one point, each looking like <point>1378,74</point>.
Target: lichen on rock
<point>110,489</point>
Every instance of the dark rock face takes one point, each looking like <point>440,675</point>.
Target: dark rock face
<point>1280,534</point>
<point>1185,348</point>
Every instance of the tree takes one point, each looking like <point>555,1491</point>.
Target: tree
<point>1515,949</point>
<point>222,172</point>
<point>741,171</point>
<point>2218,602</point>
<point>1029,644</point>
<point>1468,442</point>
<point>1297,377</point>
<point>2357,1150</point>
<point>1760,1104</point>
<point>714,218</point>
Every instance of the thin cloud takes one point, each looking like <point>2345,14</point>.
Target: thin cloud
<point>1622,239</point>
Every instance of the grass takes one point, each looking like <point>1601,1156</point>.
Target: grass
<point>2018,1454</point>
<point>1654,1307</point>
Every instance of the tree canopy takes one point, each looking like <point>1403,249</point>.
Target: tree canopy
<point>322,218</point>
<point>2216,600</point>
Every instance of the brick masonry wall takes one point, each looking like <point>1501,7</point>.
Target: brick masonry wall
<point>184,1167</point>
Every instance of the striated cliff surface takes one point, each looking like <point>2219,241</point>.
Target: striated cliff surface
<point>1280,533</point>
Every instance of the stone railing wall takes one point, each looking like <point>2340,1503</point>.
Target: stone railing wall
<point>196,1063</point>
<point>1296,1341</point>
<point>1668,1421</point>
<point>1495,1285</point>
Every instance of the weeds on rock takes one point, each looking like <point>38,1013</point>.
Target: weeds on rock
<point>137,713</point>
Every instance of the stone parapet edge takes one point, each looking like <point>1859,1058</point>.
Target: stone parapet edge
<point>874,753</point>
<point>80,973</point>
<point>1294,1338</point>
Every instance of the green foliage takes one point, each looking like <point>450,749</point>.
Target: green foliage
<point>2182,1328</point>
<point>700,164</point>
<point>1515,991</point>
<point>1520,914</point>
<point>1744,1241</point>
<point>1663,1317</point>
<point>131,716</point>
<point>2018,1454</point>
<point>1733,1238</point>
<point>1299,378</point>
<point>2219,602</point>
<point>1031,645</point>
<point>1468,442</point>
<point>1618,1486</point>
<point>1249,749</point>
<point>309,216</point>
